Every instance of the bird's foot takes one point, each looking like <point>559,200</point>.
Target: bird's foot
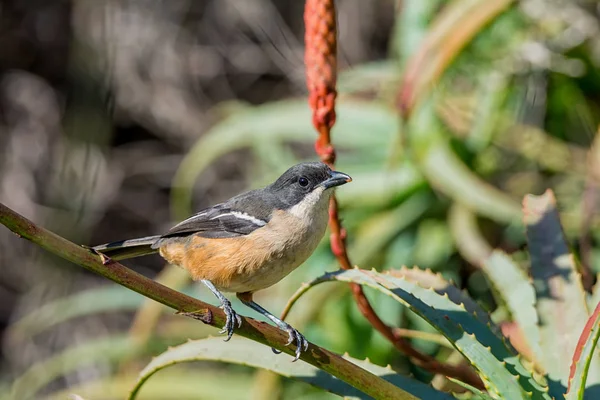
<point>201,315</point>
<point>297,338</point>
<point>232,318</point>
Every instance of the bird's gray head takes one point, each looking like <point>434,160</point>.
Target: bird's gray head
<point>306,180</point>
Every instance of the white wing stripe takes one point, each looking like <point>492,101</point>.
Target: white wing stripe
<point>244,216</point>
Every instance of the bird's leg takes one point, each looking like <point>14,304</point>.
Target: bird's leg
<point>232,316</point>
<point>294,335</point>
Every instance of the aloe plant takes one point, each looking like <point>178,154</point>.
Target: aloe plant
<point>550,333</point>
<point>240,351</point>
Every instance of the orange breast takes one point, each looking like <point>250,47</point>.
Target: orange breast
<point>252,262</point>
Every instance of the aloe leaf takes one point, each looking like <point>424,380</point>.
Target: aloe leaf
<point>375,233</point>
<point>175,384</point>
<point>271,155</point>
<point>452,29</point>
<point>410,27</point>
<point>561,299</point>
<point>594,298</point>
<point>499,367</point>
<point>449,174</point>
<point>241,351</point>
<point>492,93</point>
<point>514,287</point>
<point>445,171</point>
<point>450,32</point>
<point>110,349</point>
<point>473,394</point>
<point>287,120</point>
<point>582,359</point>
<point>374,188</point>
<point>507,379</point>
<point>430,280</point>
<point>368,76</point>
<point>108,298</point>
<point>424,278</point>
<point>467,236</point>
<point>433,244</point>
<point>148,314</point>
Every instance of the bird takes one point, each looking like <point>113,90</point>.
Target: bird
<point>249,242</point>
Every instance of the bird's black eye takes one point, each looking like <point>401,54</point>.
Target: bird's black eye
<point>303,181</point>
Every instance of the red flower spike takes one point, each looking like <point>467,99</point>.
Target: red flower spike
<point>320,58</point>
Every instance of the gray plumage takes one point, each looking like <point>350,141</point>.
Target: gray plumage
<point>239,216</point>
<point>125,249</point>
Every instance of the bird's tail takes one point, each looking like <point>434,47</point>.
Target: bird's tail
<point>124,249</point>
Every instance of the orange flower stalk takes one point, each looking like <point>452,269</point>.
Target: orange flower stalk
<point>320,59</point>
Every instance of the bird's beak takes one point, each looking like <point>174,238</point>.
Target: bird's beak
<point>336,179</point>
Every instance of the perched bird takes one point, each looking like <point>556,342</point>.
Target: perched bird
<point>249,242</point>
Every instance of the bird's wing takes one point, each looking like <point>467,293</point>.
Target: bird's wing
<point>220,221</point>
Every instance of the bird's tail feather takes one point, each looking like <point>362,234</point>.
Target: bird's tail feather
<point>125,249</point>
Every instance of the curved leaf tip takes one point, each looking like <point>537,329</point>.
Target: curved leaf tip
<point>559,293</point>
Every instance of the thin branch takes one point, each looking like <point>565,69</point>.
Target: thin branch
<point>258,331</point>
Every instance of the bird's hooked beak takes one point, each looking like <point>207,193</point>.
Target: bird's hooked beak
<point>336,179</point>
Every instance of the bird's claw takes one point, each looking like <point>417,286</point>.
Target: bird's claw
<point>230,322</point>
<point>299,339</point>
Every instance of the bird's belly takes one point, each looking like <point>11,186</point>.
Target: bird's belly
<point>275,268</point>
<point>280,262</point>
<point>256,261</point>
<point>268,274</point>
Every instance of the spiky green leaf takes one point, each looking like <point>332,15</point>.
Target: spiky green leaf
<point>472,394</point>
<point>172,384</point>
<point>446,172</point>
<point>242,351</point>
<point>110,349</point>
<point>499,367</point>
<point>513,285</point>
<point>561,299</point>
<point>430,280</point>
<point>104,299</point>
